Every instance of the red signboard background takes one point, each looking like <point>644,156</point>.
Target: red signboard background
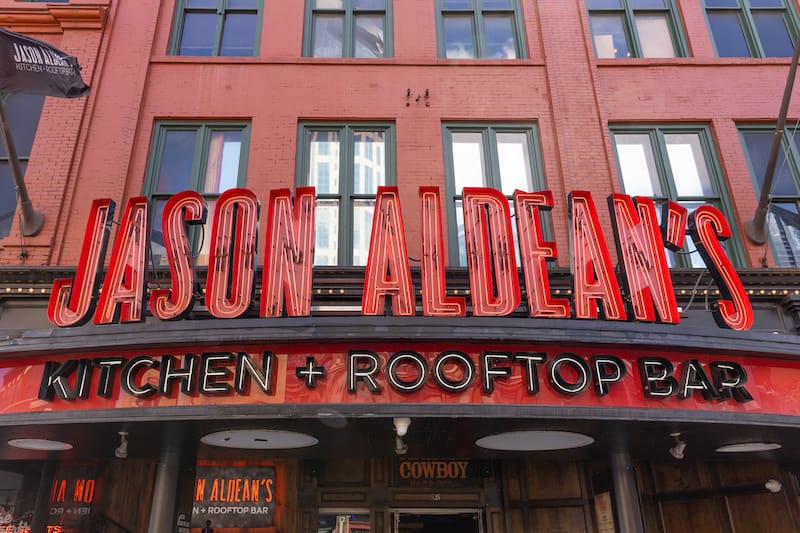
<point>773,382</point>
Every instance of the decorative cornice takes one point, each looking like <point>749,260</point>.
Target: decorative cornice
<point>50,18</point>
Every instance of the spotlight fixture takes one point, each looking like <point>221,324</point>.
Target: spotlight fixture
<point>122,450</point>
<point>773,485</point>
<point>677,451</point>
<point>400,447</point>
<point>401,426</point>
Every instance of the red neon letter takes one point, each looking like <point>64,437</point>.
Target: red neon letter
<point>71,299</point>
<point>435,301</point>
<point>177,301</point>
<point>673,225</point>
<point>231,262</point>
<point>388,251</point>
<point>123,289</point>
<point>487,216</point>
<point>534,251</point>
<point>708,228</point>
<point>289,253</point>
<point>641,248</point>
<point>593,275</point>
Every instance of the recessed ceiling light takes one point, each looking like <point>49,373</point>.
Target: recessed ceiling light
<point>259,439</point>
<point>745,447</point>
<point>41,445</point>
<point>532,441</point>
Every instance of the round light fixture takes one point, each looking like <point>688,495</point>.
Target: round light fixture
<point>751,447</point>
<point>259,439</point>
<point>40,445</point>
<point>534,441</point>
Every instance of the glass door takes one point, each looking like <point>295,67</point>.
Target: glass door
<point>437,521</point>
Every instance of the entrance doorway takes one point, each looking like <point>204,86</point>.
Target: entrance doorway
<point>437,521</point>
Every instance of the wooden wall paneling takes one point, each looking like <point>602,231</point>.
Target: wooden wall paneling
<point>126,495</point>
<point>697,514</point>
<point>552,480</point>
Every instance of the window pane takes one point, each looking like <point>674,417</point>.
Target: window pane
<point>515,162</point>
<point>328,35</point>
<point>695,261</point>
<point>603,4</point>
<point>459,38</point>
<point>773,33</point>
<point>222,168</point>
<point>369,161</point>
<point>157,249</point>
<point>23,112</point>
<point>201,4</point>
<point>609,35</point>
<point>456,4</point>
<point>654,36</point>
<point>199,32</point>
<point>726,28</point>
<point>648,4</point>
<point>329,4</point>
<point>759,144</point>
<point>242,4</point>
<point>722,3</point>
<point>496,4</point>
<point>688,165</point>
<point>326,238</point>
<point>499,37</point>
<point>462,238</point>
<point>784,234</point>
<point>637,165</point>
<point>362,228</point>
<point>766,3</point>
<point>369,36</point>
<point>175,173</point>
<point>8,197</point>
<point>468,162</point>
<point>369,4</point>
<point>239,35</point>
<point>323,166</point>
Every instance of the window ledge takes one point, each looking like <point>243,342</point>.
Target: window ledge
<point>686,61</point>
<point>220,60</point>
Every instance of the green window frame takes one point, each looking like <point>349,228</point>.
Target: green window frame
<point>783,214</point>
<point>635,28</point>
<point>480,29</point>
<point>677,163</point>
<point>348,28</point>
<point>24,112</point>
<point>752,28</point>
<point>346,163</point>
<point>500,156</point>
<point>207,157</point>
<point>217,28</point>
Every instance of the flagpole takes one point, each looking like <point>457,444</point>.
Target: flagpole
<point>32,220</point>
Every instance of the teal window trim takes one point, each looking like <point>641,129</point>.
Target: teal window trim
<point>345,195</point>
<point>199,162</point>
<point>789,161</point>
<point>629,17</point>
<point>720,197</point>
<point>491,171</point>
<point>478,15</point>
<point>349,13</point>
<point>744,11</point>
<point>221,11</point>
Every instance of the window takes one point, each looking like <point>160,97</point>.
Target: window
<point>634,28</point>
<point>783,215</point>
<point>674,163</point>
<point>207,158</point>
<point>23,111</point>
<point>471,29</point>
<point>751,28</point>
<point>217,28</point>
<point>348,28</point>
<point>346,164</point>
<point>503,157</point>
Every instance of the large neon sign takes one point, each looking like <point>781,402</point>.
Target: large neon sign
<point>597,291</point>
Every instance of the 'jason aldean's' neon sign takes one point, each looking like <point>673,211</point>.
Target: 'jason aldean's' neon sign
<point>494,282</point>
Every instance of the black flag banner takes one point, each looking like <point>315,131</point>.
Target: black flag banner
<point>34,67</point>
